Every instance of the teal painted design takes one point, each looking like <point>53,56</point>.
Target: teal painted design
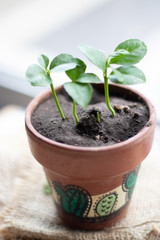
<point>105,205</point>
<point>74,200</point>
<point>129,181</point>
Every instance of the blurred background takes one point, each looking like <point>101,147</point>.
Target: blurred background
<point>29,28</point>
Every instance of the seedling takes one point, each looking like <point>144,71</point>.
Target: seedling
<point>79,89</point>
<point>126,54</point>
<point>39,75</point>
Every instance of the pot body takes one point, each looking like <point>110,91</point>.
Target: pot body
<point>92,186</point>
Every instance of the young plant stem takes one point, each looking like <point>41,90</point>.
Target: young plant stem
<point>98,117</point>
<point>57,102</point>
<point>74,112</point>
<point>106,90</point>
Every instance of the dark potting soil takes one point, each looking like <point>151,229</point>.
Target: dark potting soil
<point>131,116</point>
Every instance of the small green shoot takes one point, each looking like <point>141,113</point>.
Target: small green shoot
<point>98,117</point>
<point>39,75</point>
<point>126,55</point>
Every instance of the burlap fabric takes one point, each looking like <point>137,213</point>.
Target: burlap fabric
<point>27,213</point>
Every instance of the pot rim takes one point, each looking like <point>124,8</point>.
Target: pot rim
<point>40,98</point>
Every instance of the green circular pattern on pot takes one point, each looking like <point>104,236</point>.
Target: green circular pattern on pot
<point>106,204</point>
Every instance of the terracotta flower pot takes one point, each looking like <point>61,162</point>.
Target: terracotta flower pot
<point>92,186</point>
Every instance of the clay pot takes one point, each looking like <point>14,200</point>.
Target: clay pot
<point>92,186</point>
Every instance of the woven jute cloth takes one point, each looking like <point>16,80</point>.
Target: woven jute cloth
<point>26,212</point>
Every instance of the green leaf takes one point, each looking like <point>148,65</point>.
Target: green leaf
<point>63,62</point>
<point>37,76</point>
<point>80,93</point>
<point>127,75</point>
<point>88,78</point>
<point>74,73</point>
<point>117,54</point>
<point>94,55</point>
<point>136,48</point>
<point>43,61</point>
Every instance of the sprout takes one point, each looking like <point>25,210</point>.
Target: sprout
<point>126,54</point>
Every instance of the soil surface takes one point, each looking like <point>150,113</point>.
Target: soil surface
<point>131,116</point>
